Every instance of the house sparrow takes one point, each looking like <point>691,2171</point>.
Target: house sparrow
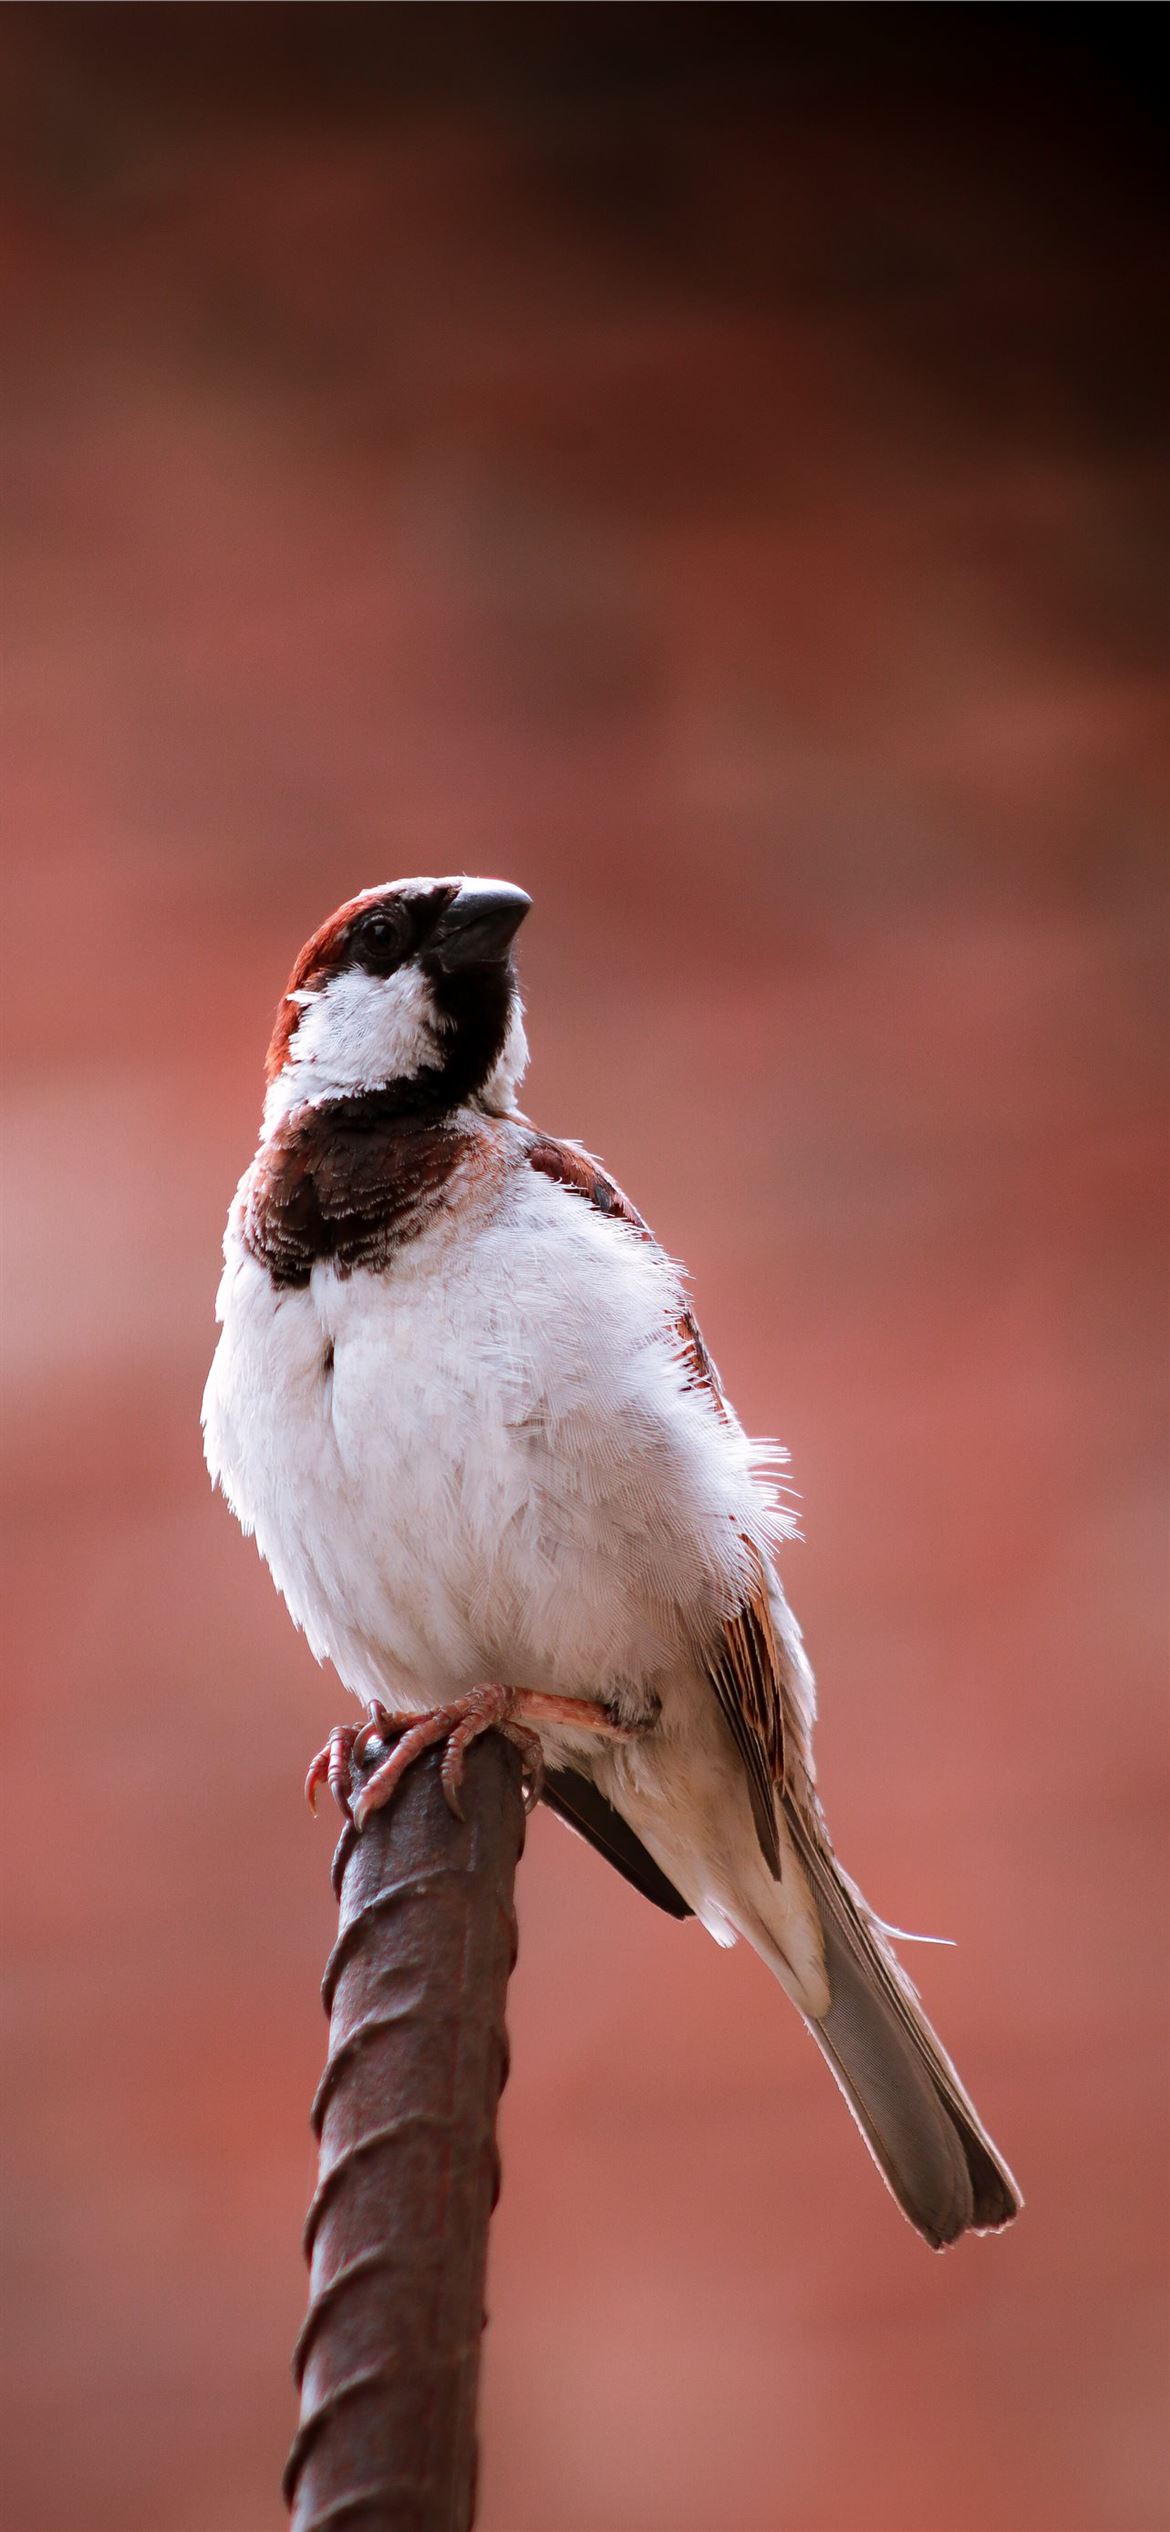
<point>462,1403</point>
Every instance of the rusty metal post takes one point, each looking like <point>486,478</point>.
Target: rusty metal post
<point>396,2236</point>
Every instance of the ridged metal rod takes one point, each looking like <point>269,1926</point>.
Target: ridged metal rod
<point>396,2237</point>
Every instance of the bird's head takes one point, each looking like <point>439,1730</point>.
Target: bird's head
<point>410,987</point>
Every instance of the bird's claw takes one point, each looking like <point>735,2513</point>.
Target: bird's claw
<point>512,1711</point>
<point>331,1767</point>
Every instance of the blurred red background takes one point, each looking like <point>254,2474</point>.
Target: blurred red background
<point>705,465</point>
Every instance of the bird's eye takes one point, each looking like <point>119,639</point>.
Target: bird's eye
<point>381,939</point>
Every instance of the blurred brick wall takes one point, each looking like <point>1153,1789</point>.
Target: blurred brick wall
<point>705,464</point>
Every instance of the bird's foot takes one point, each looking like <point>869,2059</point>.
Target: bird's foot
<point>512,1711</point>
<point>460,1723</point>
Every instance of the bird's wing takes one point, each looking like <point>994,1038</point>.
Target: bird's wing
<point>746,1674</point>
<point>745,1665</point>
<point>572,1166</point>
<point>575,1798</point>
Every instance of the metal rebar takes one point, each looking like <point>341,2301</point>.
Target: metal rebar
<point>396,2236</point>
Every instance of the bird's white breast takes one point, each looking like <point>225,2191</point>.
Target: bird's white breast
<point>484,1460</point>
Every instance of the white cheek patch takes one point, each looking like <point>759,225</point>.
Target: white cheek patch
<point>356,1033</point>
<point>498,1095</point>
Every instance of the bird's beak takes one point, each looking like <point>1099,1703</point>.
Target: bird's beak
<point>480,925</point>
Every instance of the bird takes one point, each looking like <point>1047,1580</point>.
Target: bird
<point>461,1401</point>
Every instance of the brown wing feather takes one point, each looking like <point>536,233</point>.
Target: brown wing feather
<point>573,1167</point>
<point>746,1675</point>
<point>745,1670</point>
<point>703,1374</point>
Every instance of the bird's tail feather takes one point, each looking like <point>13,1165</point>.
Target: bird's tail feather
<point>924,2133</point>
